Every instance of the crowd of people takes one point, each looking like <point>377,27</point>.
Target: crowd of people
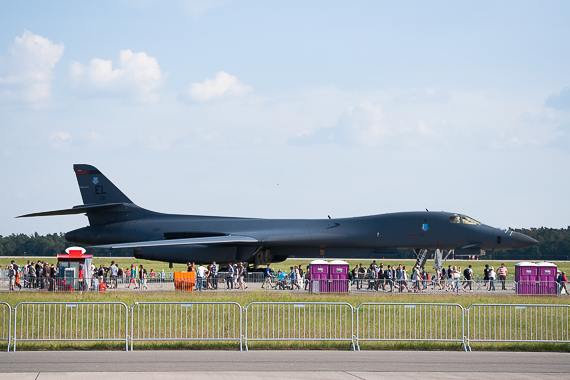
<point>452,279</point>
<point>418,279</point>
<point>34,275</point>
<point>42,275</point>
<point>45,276</point>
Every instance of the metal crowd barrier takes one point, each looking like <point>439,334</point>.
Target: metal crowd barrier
<point>410,322</point>
<point>299,321</point>
<point>518,323</point>
<point>70,321</point>
<point>176,321</point>
<point>283,321</point>
<point>6,324</point>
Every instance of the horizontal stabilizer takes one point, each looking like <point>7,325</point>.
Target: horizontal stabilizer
<point>75,210</point>
<point>192,241</point>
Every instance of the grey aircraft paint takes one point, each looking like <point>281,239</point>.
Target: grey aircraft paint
<point>116,222</point>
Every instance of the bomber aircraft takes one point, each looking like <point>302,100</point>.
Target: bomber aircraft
<point>116,222</point>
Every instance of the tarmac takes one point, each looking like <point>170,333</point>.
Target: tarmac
<point>260,364</point>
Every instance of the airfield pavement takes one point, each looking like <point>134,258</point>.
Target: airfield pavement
<point>306,365</point>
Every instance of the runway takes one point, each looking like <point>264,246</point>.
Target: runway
<point>306,365</point>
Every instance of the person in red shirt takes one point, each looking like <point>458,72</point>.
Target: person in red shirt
<point>502,272</point>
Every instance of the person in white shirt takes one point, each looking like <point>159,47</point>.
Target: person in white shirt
<point>200,274</point>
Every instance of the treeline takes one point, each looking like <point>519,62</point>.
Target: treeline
<point>554,244</point>
<point>49,245</point>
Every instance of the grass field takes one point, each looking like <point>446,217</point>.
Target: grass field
<point>244,298</point>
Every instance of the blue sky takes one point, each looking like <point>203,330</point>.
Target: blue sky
<point>297,109</point>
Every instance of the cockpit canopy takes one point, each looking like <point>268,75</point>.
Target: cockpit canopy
<point>463,219</point>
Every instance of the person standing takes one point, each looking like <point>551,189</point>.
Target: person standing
<point>468,275</point>
<point>45,273</point>
<point>361,274</point>
<point>230,277</point>
<point>456,277</point>
<point>389,276</point>
<point>32,275</point>
<point>142,277</point>
<point>380,278</point>
<point>17,275</point>
<point>267,277</point>
<point>417,278</point>
<point>241,270</point>
<point>26,274</point>
<point>215,275</point>
<point>563,282</point>
<point>502,271</point>
<point>113,272</point>
<point>11,276</point>
<point>200,274</point>
<point>133,275</point>
<point>492,278</point>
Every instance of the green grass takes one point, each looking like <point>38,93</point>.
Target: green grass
<point>294,345</point>
<point>243,298</point>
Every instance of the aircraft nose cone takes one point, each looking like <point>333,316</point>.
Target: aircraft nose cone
<point>519,240</point>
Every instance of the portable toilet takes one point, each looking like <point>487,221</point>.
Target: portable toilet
<point>546,278</point>
<point>338,276</point>
<point>318,276</point>
<point>525,277</point>
<point>74,270</point>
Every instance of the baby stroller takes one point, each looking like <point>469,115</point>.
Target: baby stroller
<point>283,281</point>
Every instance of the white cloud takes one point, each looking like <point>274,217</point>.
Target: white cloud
<point>137,76</point>
<point>60,140</point>
<point>223,85</point>
<point>27,72</point>
<point>364,124</point>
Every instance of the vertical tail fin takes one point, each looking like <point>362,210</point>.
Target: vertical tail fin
<point>95,188</point>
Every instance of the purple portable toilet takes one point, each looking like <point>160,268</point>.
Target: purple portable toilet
<point>319,271</point>
<point>546,278</point>
<point>338,276</point>
<point>525,277</point>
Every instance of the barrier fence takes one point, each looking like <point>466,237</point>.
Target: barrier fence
<point>282,321</point>
<point>359,286</point>
<point>518,323</point>
<point>6,323</point>
<point>299,321</point>
<point>176,321</point>
<point>64,321</point>
<point>410,322</point>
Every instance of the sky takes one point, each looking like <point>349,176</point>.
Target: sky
<point>288,109</point>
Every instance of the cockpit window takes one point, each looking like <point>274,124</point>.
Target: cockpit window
<point>455,219</point>
<point>467,220</point>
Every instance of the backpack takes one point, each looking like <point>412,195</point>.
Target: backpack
<point>466,273</point>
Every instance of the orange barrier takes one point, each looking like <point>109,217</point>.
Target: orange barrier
<point>184,281</point>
